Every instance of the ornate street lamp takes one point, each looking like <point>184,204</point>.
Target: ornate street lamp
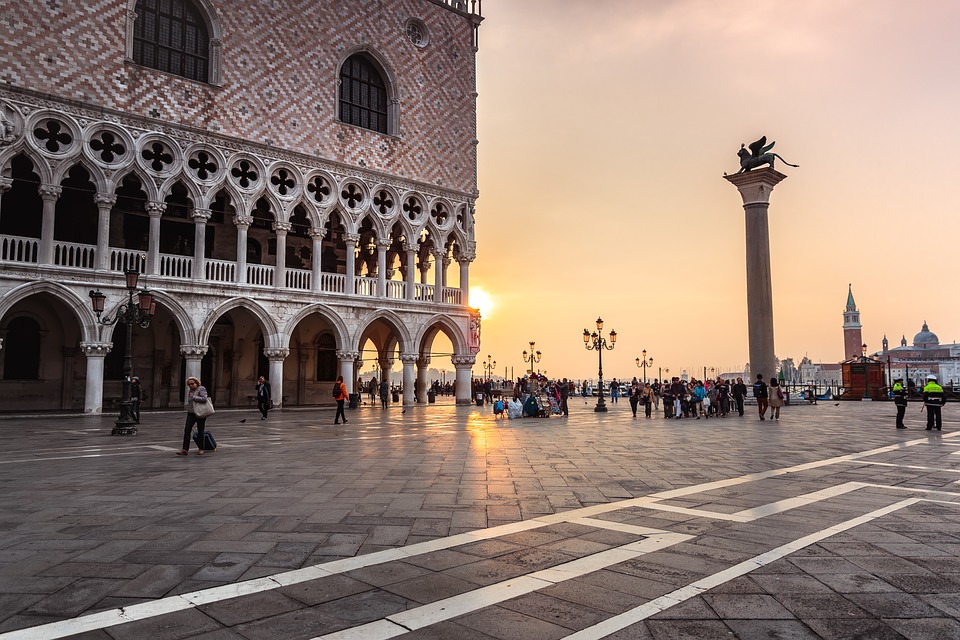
<point>866,371</point>
<point>140,313</point>
<point>533,357</point>
<point>644,363</point>
<point>596,342</point>
<point>489,365</point>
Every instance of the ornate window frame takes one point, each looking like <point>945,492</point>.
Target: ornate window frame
<point>389,81</point>
<point>214,31</point>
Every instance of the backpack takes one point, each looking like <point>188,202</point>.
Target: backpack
<point>336,389</point>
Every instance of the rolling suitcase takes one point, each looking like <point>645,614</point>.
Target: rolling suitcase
<point>209,443</point>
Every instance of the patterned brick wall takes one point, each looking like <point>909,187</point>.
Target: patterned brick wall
<point>279,76</point>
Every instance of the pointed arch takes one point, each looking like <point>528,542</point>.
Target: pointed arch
<point>271,333</point>
<point>454,332</point>
<point>80,307</point>
<point>391,318</point>
<point>332,317</point>
<point>40,165</point>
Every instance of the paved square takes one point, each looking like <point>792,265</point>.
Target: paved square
<point>440,522</point>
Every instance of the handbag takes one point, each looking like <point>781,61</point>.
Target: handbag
<point>203,409</point>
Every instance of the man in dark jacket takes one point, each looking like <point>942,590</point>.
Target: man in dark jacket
<point>263,397</point>
<point>739,393</point>
<point>760,393</point>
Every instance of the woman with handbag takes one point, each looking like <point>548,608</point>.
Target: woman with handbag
<point>198,407</point>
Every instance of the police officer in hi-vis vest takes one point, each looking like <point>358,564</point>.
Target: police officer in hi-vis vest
<point>900,399</point>
<point>933,400</point>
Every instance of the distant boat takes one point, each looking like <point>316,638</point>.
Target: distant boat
<point>826,396</point>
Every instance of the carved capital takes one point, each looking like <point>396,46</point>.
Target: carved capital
<point>282,227</point>
<point>318,234</point>
<point>50,192</point>
<point>347,355</point>
<point>423,361</point>
<point>200,216</point>
<point>193,351</point>
<point>466,260</point>
<point>409,358</point>
<point>438,254</point>
<point>383,245</point>
<point>105,200</point>
<point>464,362</point>
<point>5,184</point>
<point>411,246</point>
<point>155,209</point>
<point>276,354</point>
<point>243,221</point>
<point>96,349</point>
<point>351,238</point>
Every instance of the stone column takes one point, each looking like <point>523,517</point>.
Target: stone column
<point>465,281</point>
<point>154,210</point>
<point>385,365</point>
<point>105,203</point>
<point>464,367</point>
<point>276,357</point>
<point>447,261</point>
<point>93,394</point>
<point>422,381</point>
<point>280,269</point>
<point>409,378</point>
<point>200,217</point>
<point>382,268</point>
<point>755,188</point>
<point>193,354</point>
<point>350,285</point>
<point>243,223</point>
<point>411,270</point>
<point>316,281</point>
<point>438,258</point>
<point>347,360</point>
<point>50,193</point>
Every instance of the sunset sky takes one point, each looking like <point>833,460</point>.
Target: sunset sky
<point>606,127</point>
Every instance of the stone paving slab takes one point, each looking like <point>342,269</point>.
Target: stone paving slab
<point>94,525</point>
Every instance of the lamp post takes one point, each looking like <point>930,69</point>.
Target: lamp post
<point>596,342</point>
<point>866,372</point>
<point>489,365</point>
<point>644,363</point>
<point>129,314</point>
<point>533,357</point>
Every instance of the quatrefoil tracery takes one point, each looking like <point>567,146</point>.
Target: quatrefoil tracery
<point>319,188</point>
<point>245,174</point>
<point>412,208</point>
<point>203,165</point>
<point>283,181</point>
<point>158,156</point>
<point>53,136</point>
<point>107,146</point>
<point>353,195</point>
<point>383,202</point>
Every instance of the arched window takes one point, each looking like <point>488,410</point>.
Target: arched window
<point>171,36</point>
<point>363,94</point>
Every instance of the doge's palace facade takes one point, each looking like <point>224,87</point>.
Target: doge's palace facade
<point>294,180</point>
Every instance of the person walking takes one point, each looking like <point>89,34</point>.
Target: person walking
<point>646,397</point>
<point>739,393</point>
<point>760,393</point>
<point>341,397</point>
<point>565,397</point>
<point>775,391</point>
<point>900,400</point>
<point>384,393</point>
<point>614,391</point>
<point>263,397</point>
<point>136,397</point>
<point>933,401</point>
<point>634,397</point>
<point>196,394</point>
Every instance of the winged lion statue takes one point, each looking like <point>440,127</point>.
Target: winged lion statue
<point>759,155</point>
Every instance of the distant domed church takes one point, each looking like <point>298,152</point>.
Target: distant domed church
<point>925,356</point>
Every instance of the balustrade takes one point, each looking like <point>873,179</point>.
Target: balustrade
<point>260,274</point>
<point>127,260</point>
<point>452,296</point>
<point>298,279</point>
<point>18,249</point>
<point>70,254</point>
<point>333,282</point>
<point>221,270</point>
<point>423,292</point>
<point>366,286</point>
<point>176,266</point>
<point>396,289</point>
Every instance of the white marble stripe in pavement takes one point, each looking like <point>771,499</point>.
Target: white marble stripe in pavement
<point>114,617</point>
<point>448,608</point>
<point>644,611</point>
<point>916,467</point>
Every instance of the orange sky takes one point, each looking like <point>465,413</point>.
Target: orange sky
<point>605,128</point>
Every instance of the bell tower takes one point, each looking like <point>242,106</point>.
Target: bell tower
<point>852,334</point>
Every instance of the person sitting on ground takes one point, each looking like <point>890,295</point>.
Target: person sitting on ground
<point>514,409</point>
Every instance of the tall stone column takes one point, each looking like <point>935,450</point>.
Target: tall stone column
<point>243,223</point>
<point>276,358</point>
<point>465,281</point>
<point>193,354</point>
<point>464,367</point>
<point>49,193</point>
<point>438,258</point>
<point>200,217</point>
<point>93,393</point>
<point>411,250</point>
<point>422,380</point>
<point>347,361</point>
<point>105,202</point>
<point>280,269</point>
<point>316,280</point>
<point>385,365</point>
<point>382,268</point>
<point>154,210</point>
<point>350,285</point>
<point>409,378</point>
<point>755,188</point>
